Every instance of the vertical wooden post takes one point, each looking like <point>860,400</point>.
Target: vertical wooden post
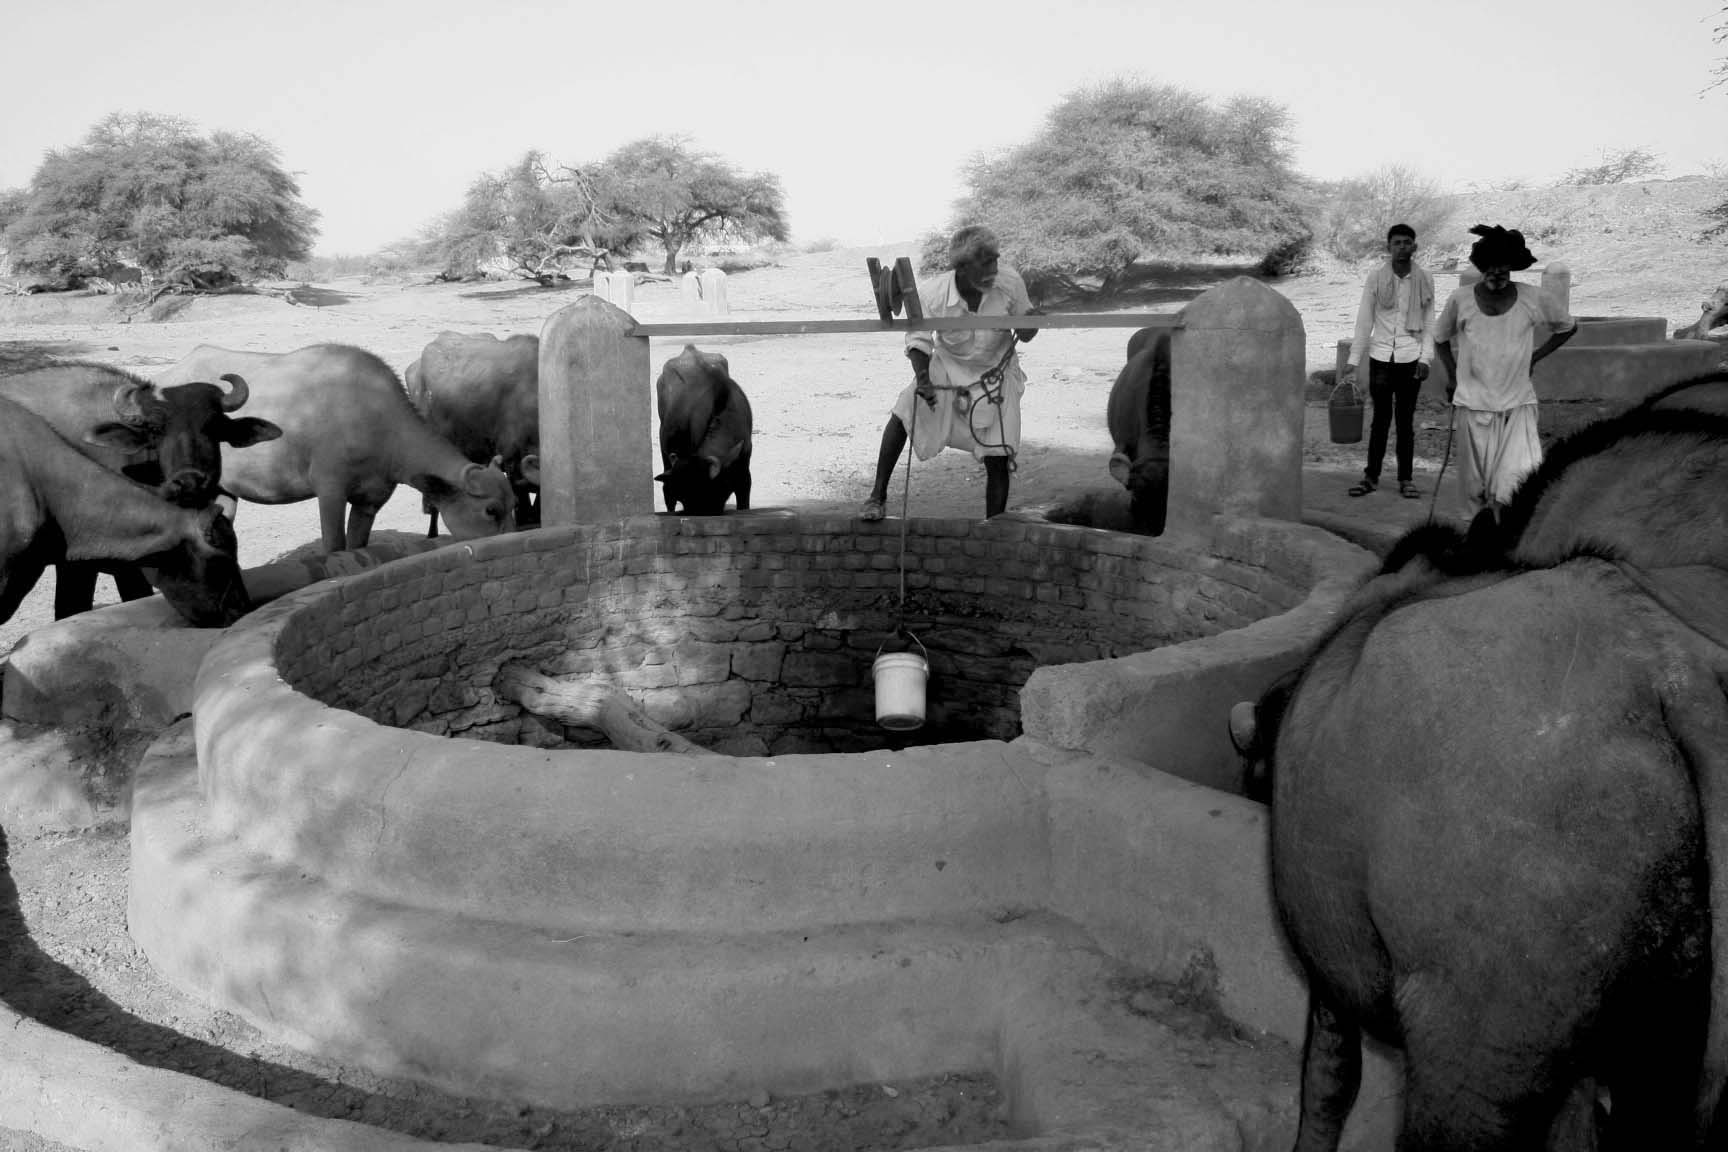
<point>596,433</point>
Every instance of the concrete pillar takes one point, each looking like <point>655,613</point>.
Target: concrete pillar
<point>1237,407</point>
<point>1557,282</point>
<point>596,416</point>
<point>714,291</point>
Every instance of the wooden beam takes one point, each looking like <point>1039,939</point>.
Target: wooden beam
<point>928,324</point>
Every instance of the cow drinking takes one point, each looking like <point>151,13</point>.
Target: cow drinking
<point>349,437</point>
<point>57,504</point>
<point>483,395</point>
<point>168,438</point>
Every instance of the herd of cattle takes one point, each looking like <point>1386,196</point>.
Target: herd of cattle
<point>101,470</point>
<point>1499,806</point>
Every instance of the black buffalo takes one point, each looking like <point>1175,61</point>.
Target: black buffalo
<point>1138,415</point>
<point>1499,825</point>
<point>483,395</point>
<point>170,439</point>
<point>1500,843</point>
<point>704,434</point>
<point>57,504</point>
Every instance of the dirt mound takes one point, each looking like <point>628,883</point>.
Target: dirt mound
<point>128,308</point>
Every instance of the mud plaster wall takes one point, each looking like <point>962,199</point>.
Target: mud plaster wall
<point>755,634</point>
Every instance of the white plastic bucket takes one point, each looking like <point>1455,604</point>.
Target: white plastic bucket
<point>900,679</point>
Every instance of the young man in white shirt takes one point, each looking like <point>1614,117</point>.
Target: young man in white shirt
<point>1392,331</point>
<point>966,385</point>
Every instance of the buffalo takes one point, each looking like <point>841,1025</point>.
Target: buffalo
<point>1498,844</point>
<point>349,436</point>
<point>483,395</point>
<point>168,438</point>
<point>56,504</point>
<point>1498,840</point>
<point>705,429</point>
<point>1138,415</point>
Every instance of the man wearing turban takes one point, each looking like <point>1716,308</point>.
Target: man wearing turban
<point>1493,322</point>
<point>966,385</point>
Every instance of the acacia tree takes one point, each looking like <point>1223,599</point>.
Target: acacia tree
<point>1129,171</point>
<point>534,214</point>
<point>149,190</point>
<point>1356,212</point>
<point>677,195</point>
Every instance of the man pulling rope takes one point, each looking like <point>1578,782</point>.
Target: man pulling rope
<point>969,381</point>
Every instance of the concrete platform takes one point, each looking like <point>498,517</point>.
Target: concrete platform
<point>1152,878</point>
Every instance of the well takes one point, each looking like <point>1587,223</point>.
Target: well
<point>515,915</point>
<point>363,849</point>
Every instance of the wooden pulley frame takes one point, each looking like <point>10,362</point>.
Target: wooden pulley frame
<point>895,289</point>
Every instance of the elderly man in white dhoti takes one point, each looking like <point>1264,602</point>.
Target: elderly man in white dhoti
<point>1494,323</point>
<point>966,385</point>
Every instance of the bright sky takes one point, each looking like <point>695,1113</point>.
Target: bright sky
<point>387,109</point>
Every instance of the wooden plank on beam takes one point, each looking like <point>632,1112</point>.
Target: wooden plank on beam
<point>928,324</point>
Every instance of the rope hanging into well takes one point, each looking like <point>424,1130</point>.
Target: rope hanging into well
<point>991,383</point>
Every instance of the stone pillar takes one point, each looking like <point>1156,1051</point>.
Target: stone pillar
<point>1557,282</point>
<point>596,416</point>
<point>690,291</point>
<point>1237,407</point>
<point>714,291</point>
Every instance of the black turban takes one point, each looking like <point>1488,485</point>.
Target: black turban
<point>1499,246</point>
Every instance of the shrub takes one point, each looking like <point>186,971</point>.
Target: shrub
<point>1617,167</point>
<point>1355,214</point>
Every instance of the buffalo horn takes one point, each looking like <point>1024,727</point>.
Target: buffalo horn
<point>236,394</point>
<point>1242,726</point>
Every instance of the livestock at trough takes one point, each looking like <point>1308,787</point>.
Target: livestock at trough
<point>349,436</point>
<point>167,438</point>
<point>1138,417</point>
<point>483,395</point>
<point>56,504</point>
<point>705,428</point>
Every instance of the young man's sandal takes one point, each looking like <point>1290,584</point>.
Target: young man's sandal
<point>1362,487</point>
<point>873,510</point>
<point>1409,491</point>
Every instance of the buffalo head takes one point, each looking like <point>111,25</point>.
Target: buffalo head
<point>184,426</point>
<point>481,501</point>
<point>201,577</point>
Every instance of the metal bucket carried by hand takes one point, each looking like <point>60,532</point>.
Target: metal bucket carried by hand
<point>1344,408</point>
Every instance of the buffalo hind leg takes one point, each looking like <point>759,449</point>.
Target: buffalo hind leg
<point>1331,1076</point>
<point>1470,1088</point>
<point>741,482</point>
